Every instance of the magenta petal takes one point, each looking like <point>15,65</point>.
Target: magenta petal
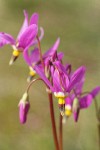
<point>53,49</point>
<point>57,82</point>
<point>79,86</point>
<point>24,26</point>
<point>34,19</point>
<point>6,39</point>
<point>60,55</point>
<point>68,68</point>
<point>86,101</point>
<point>43,77</point>
<point>26,56</point>
<point>34,56</point>
<point>23,111</point>
<point>62,75</point>
<point>95,91</point>
<point>28,36</point>
<point>76,77</point>
<point>60,67</point>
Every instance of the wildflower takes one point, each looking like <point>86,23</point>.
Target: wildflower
<point>75,102</point>
<point>62,83</point>
<point>26,36</point>
<point>24,106</point>
<point>34,58</point>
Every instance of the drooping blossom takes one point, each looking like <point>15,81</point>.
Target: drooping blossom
<point>77,101</point>
<point>62,82</point>
<point>24,106</point>
<point>26,36</point>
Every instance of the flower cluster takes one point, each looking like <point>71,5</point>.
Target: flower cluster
<point>65,84</point>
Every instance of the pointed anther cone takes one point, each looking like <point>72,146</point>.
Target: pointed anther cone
<point>30,78</point>
<point>76,114</point>
<point>12,60</point>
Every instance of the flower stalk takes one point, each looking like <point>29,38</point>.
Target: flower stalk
<point>50,102</point>
<point>53,121</point>
<point>60,133</point>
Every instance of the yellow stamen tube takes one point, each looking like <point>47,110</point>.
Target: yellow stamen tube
<point>32,73</point>
<point>61,104</point>
<point>15,55</point>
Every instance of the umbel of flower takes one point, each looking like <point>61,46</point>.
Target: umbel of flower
<point>62,83</point>
<point>26,36</point>
<point>24,106</point>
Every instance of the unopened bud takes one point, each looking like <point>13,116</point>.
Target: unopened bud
<point>24,106</point>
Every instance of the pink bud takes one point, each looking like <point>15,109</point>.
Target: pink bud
<point>24,106</point>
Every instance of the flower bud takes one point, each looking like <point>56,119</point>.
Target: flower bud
<point>24,106</point>
<point>76,109</point>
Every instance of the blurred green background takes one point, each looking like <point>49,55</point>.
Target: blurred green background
<point>77,23</point>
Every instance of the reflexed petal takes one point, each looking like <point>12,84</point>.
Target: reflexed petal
<point>6,39</point>
<point>28,36</point>
<point>95,91</point>
<point>34,56</point>
<point>60,67</point>
<point>76,77</point>
<point>60,55</point>
<point>57,82</point>
<point>53,49</point>
<point>68,68</point>
<point>86,101</point>
<point>63,75</point>
<point>79,86</point>
<point>26,56</point>
<point>24,26</point>
<point>34,19</point>
<point>43,77</point>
